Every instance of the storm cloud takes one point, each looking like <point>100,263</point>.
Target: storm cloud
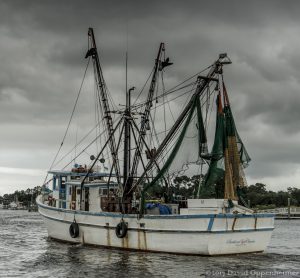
<point>42,48</point>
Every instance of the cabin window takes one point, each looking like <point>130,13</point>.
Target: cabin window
<point>62,182</point>
<point>102,191</point>
<point>78,191</point>
<point>111,191</point>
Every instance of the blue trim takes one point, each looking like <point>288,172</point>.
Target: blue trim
<point>163,231</point>
<point>58,182</point>
<point>101,185</point>
<point>54,183</point>
<point>259,215</point>
<point>245,230</point>
<point>210,224</point>
<point>70,173</point>
<point>171,216</point>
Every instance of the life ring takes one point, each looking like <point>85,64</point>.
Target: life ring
<point>121,229</point>
<point>74,230</point>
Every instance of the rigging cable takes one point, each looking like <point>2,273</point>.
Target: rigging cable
<point>162,156</point>
<point>189,91</point>
<point>163,88</point>
<point>69,123</point>
<point>172,90</point>
<point>143,87</point>
<point>85,149</point>
<point>141,104</point>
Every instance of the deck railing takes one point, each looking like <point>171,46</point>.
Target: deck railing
<point>284,212</point>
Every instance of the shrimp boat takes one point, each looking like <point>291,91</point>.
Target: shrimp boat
<point>168,193</point>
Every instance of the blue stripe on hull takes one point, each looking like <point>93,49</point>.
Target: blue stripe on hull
<point>210,224</point>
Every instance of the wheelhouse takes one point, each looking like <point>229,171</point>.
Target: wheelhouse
<point>67,186</point>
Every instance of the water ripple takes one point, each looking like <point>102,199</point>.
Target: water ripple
<point>26,251</point>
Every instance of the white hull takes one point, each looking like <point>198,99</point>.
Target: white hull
<point>201,234</point>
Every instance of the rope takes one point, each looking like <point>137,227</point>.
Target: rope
<point>162,95</point>
<point>85,149</point>
<point>143,87</point>
<point>69,123</point>
<point>162,158</point>
<point>172,90</point>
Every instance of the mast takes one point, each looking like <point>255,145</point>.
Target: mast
<point>127,135</point>
<point>126,164</point>
<point>104,100</point>
<point>127,141</point>
<point>146,114</point>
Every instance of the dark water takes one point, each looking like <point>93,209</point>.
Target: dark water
<point>25,251</point>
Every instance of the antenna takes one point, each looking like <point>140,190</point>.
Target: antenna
<point>126,58</point>
<point>126,75</point>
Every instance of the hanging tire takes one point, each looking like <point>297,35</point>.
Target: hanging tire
<point>121,229</point>
<point>74,230</point>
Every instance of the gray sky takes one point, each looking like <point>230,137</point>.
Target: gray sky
<point>42,48</point>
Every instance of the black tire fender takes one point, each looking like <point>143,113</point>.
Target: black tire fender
<point>74,230</point>
<point>121,229</point>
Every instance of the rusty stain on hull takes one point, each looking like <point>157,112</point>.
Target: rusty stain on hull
<point>233,224</point>
<point>142,239</point>
<point>82,237</point>
<point>108,236</point>
<point>145,240</point>
<point>125,242</point>
<point>139,239</point>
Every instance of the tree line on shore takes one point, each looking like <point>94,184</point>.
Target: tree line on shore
<point>256,195</point>
<point>23,196</point>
